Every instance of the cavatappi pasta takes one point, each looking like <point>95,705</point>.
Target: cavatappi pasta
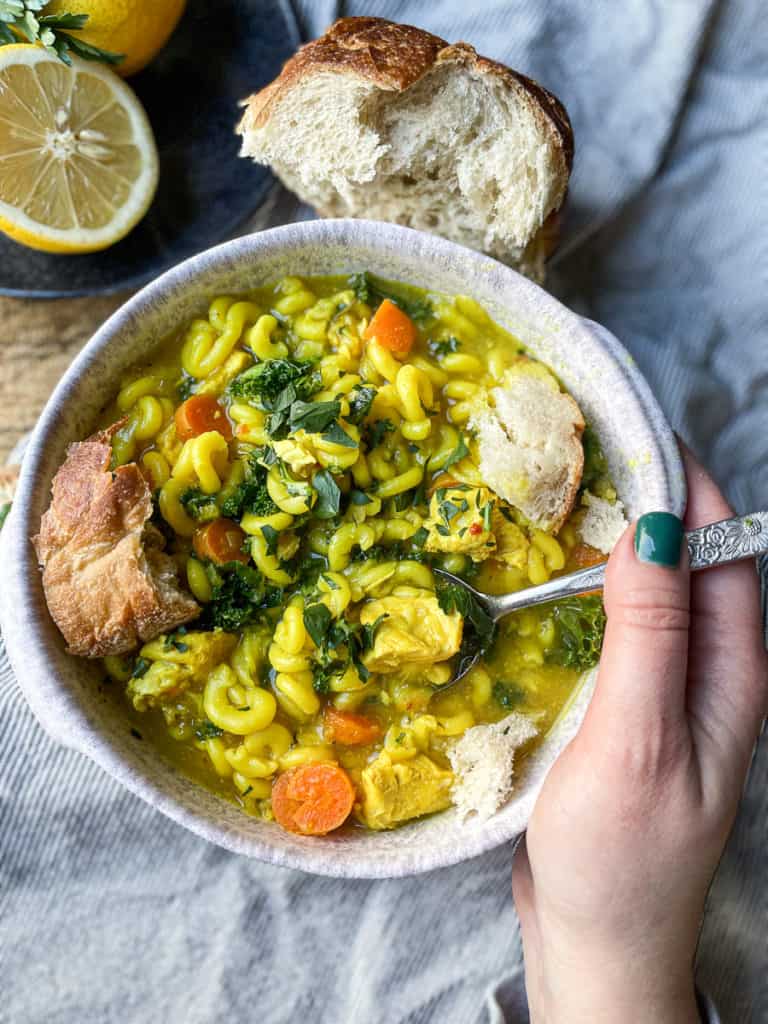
<point>309,453</point>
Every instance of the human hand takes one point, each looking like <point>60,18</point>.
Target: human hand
<point>611,879</point>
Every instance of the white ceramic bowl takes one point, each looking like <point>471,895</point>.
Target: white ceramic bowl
<point>62,690</point>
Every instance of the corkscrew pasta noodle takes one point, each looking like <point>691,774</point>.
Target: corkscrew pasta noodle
<point>342,474</point>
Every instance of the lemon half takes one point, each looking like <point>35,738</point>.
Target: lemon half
<point>78,161</point>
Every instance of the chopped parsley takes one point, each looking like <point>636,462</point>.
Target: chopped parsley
<point>459,452</point>
<point>375,432</point>
<point>328,495</point>
<point>479,628</point>
<point>360,401</point>
<point>508,695</point>
<point>141,667</point>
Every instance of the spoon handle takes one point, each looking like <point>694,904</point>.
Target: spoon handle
<point>730,540</point>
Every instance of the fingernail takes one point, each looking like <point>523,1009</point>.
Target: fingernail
<point>658,539</point>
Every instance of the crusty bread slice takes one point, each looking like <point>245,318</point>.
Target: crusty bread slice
<point>483,763</point>
<point>602,523</point>
<point>389,122</point>
<point>107,583</point>
<point>530,448</point>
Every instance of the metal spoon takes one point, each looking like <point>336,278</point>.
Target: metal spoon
<point>730,540</point>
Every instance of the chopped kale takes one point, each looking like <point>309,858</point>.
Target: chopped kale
<point>579,626</point>
<point>251,496</point>
<point>237,593</point>
<point>264,383</point>
<point>199,506</point>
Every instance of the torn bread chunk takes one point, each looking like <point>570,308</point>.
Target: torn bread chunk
<point>388,122</point>
<point>603,522</point>
<point>530,448</point>
<point>483,764</point>
<point>107,581</point>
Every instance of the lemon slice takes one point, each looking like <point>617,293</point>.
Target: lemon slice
<point>78,161</point>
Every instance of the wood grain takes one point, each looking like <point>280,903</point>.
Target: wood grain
<point>39,340</point>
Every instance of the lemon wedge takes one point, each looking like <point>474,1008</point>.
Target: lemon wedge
<point>78,161</point>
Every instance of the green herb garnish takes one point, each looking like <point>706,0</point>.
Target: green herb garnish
<point>19,20</point>
<point>328,495</point>
<point>373,291</point>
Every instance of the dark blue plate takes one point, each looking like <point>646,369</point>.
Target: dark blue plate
<point>219,53</point>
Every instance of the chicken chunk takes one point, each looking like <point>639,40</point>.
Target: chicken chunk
<point>460,522</point>
<point>176,665</point>
<point>397,792</point>
<point>298,453</point>
<point>415,631</point>
<point>511,543</point>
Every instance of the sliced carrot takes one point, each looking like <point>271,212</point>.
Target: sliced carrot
<point>220,541</point>
<point>313,799</point>
<point>392,328</point>
<point>198,415</point>
<point>349,729</point>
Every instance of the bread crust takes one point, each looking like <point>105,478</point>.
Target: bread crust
<point>107,582</point>
<point>393,57</point>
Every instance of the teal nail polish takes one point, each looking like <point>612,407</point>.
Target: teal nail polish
<point>658,539</point>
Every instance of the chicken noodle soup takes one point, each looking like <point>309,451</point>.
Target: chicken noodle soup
<point>314,449</point>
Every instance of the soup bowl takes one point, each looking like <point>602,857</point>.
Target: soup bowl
<point>62,690</point>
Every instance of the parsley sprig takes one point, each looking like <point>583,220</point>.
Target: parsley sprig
<point>19,19</point>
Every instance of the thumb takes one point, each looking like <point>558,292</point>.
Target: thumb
<point>642,676</point>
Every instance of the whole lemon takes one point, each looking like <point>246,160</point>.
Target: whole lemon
<point>137,28</point>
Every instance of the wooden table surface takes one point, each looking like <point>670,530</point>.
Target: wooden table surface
<point>40,338</point>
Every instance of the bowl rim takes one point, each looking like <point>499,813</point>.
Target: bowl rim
<point>63,718</point>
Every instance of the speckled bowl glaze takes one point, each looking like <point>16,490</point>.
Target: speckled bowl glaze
<point>62,690</point>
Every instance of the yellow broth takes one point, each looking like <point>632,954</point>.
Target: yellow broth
<point>458,355</point>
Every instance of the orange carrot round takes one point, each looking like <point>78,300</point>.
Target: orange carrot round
<point>220,541</point>
<point>313,799</point>
<point>392,328</point>
<point>198,415</point>
<point>348,728</point>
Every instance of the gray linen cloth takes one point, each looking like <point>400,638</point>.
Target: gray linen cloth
<point>110,913</point>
